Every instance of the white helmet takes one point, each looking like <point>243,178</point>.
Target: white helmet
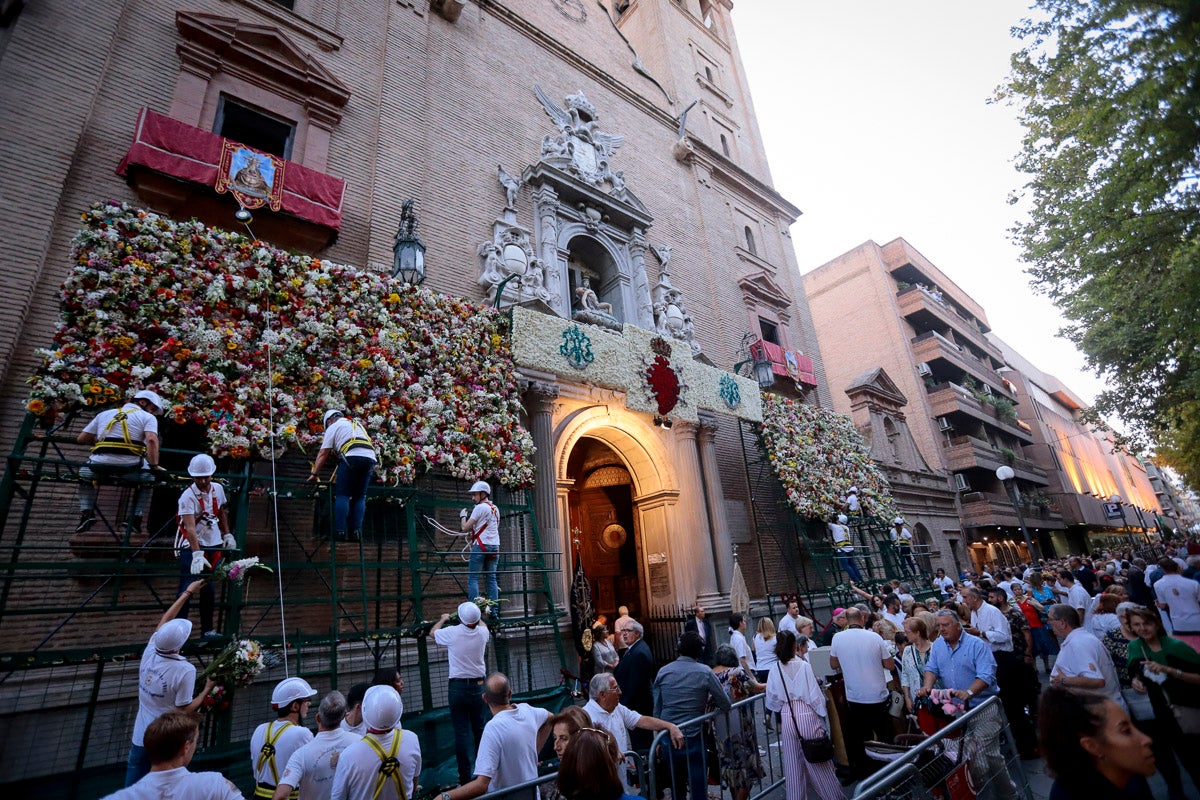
<point>898,521</point>
<point>201,466</point>
<point>382,708</point>
<point>468,613</point>
<point>852,490</point>
<point>481,486</point>
<point>172,635</point>
<point>842,520</point>
<point>289,690</point>
<point>333,412</point>
<point>155,400</point>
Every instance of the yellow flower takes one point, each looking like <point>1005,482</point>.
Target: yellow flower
<point>231,345</point>
<point>364,362</point>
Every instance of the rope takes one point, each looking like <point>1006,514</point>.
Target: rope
<point>466,551</point>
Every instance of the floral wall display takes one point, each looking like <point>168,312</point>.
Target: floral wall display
<point>211,319</point>
<point>629,361</point>
<point>819,454</point>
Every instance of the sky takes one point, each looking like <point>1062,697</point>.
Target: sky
<point>876,122</point>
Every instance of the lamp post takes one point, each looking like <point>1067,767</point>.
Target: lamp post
<point>1116,498</point>
<point>518,264</point>
<point>408,253</point>
<point>764,371</point>
<point>1006,474</point>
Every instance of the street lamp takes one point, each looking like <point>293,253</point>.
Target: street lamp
<point>1006,475</point>
<point>408,253</point>
<point>517,264</point>
<point>764,370</point>
<point>1116,500</point>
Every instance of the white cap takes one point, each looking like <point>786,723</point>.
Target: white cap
<point>898,521</point>
<point>842,519</point>
<point>481,486</point>
<point>382,708</point>
<point>172,635</point>
<point>333,412</point>
<point>468,612</point>
<point>290,689</point>
<point>852,490</point>
<point>146,394</point>
<point>201,466</point>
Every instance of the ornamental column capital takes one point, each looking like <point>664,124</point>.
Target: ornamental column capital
<point>708,427</point>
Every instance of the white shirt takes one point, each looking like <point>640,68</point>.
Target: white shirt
<point>358,768</point>
<point>944,585</point>
<point>1082,654</point>
<point>292,739</point>
<point>464,649</point>
<point>852,503</point>
<point>795,681</point>
<point>606,655</point>
<point>1182,597</point>
<point>179,784</point>
<point>737,640</point>
<point>311,767</point>
<point>137,421</point>
<point>619,722</point>
<point>203,507</point>
<point>1078,598</point>
<point>359,730</point>
<point>896,619</point>
<point>902,536</point>
<point>342,431</point>
<point>841,538</point>
<point>508,749</point>
<point>860,654</point>
<point>788,623</point>
<point>993,627</point>
<point>764,652</point>
<point>485,515</point>
<point>165,683</point>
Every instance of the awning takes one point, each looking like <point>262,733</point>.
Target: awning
<point>183,151</point>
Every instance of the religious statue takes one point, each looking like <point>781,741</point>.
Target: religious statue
<point>592,310</point>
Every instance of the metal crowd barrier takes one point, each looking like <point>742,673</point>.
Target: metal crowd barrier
<point>935,766</point>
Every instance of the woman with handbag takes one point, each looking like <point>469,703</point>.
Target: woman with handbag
<point>1169,671</point>
<point>792,688</point>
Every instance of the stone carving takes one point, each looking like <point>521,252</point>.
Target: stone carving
<point>508,251</point>
<point>671,318</point>
<point>580,147</point>
<point>511,187</point>
<point>592,310</point>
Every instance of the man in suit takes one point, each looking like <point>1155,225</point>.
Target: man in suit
<point>704,629</point>
<point>635,676</point>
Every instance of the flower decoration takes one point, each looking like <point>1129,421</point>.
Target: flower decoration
<point>239,663</point>
<point>818,454</point>
<point>198,314</point>
<point>728,391</point>
<point>236,571</point>
<point>663,384</point>
<point>576,347</point>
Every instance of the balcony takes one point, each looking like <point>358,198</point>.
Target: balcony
<point>919,306</point>
<point>931,345</point>
<point>982,509</point>
<point>949,398</point>
<point>786,363</point>
<point>967,452</point>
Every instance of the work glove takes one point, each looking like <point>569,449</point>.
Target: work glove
<point>463,514</point>
<point>229,541</point>
<point>199,562</point>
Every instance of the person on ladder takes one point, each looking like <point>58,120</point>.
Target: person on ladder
<point>124,445</point>
<point>384,764</point>
<point>203,530</point>
<point>349,439</point>
<point>274,742</point>
<point>902,541</point>
<point>483,523</point>
<point>844,548</point>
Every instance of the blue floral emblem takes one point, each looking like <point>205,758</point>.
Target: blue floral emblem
<point>576,347</point>
<point>729,392</point>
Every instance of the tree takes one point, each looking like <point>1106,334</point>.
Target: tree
<point>1109,94</point>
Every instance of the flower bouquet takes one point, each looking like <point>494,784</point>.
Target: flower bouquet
<point>236,571</point>
<point>239,663</point>
<point>216,700</point>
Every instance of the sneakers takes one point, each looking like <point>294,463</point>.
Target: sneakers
<point>356,536</point>
<point>87,519</point>
<point>339,536</point>
<point>210,635</point>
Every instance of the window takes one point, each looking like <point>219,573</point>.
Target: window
<point>724,145</point>
<point>288,4</point>
<point>251,127</point>
<point>750,241</point>
<point>770,331</point>
<point>708,74</point>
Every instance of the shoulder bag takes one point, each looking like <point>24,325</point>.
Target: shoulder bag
<point>817,750</point>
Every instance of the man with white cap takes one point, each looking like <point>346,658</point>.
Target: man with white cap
<point>124,444</point>
<point>203,530</point>
<point>483,523</point>
<point>851,501</point>
<point>384,764</point>
<point>273,743</point>
<point>349,440</point>
<point>465,644</point>
<point>844,548</point>
<point>310,769</point>
<point>166,681</point>
<point>902,541</point>
<point>170,744</point>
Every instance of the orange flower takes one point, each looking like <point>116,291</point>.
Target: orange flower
<point>36,406</point>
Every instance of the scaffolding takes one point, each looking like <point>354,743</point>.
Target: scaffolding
<point>77,609</point>
<point>796,555</point>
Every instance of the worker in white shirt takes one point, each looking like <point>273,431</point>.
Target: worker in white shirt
<point>384,764</point>
<point>273,743</point>
<point>353,722</point>
<point>310,769</point>
<point>902,540</point>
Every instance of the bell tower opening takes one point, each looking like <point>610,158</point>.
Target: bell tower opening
<point>600,504</point>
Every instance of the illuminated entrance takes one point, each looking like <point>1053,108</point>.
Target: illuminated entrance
<point>600,507</point>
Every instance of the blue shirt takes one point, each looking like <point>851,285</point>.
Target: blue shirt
<point>682,690</point>
<point>958,667</point>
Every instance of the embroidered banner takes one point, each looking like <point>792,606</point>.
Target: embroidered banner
<point>254,178</point>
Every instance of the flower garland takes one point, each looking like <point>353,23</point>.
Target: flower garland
<point>182,309</point>
<point>818,455</point>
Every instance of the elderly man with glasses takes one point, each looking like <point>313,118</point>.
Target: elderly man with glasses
<point>605,710</point>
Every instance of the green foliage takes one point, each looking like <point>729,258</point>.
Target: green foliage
<point>1109,92</point>
<point>1005,408</point>
<point>1178,440</point>
<point>1008,454</point>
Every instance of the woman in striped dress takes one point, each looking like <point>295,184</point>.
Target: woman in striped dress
<point>793,689</point>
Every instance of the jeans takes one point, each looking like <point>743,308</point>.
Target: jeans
<point>846,561</point>
<point>350,493</point>
<point>115,472</point>
<point>208,593</point>
<point>905,557</point>
<point>465,698</point>
<point>483,557</point>
<point>689,761</point>
<point>138,765</point>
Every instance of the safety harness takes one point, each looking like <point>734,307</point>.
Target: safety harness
<point>901,538</point>
<point>267,756</point>
<point>355,440</point>
<point>203,518</point>
<point>477,538</point>
<point>125,445</point>
<point>841,539</point>
<point>389,769</point>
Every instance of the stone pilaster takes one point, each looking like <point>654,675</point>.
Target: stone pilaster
<point>539,402</point>
<point>698,540</point>
<point>722,543</point>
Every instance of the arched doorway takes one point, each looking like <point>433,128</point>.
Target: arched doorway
<point>601,510</point>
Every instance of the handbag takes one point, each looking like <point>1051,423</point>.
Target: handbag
<point>896,704</point>
<point>817,750</point>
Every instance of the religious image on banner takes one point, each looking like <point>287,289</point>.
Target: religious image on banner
<point>255,179</point>
<point>792,363</point>
<point>583,614</point>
